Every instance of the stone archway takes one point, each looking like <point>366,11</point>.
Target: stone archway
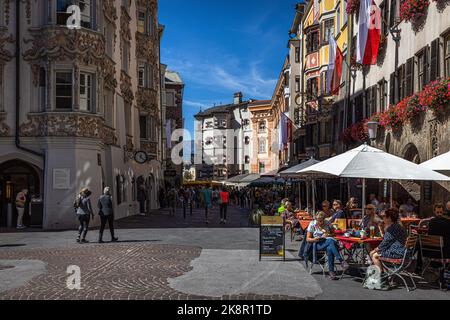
<point>410,188</point>
<point>411,153</point>
<point>16,175</point>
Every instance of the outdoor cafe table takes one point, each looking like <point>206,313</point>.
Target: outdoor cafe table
<point>305,222</point>
<point>406,222</point>
<point>352,244</point>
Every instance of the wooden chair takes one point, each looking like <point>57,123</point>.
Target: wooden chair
<point>432,250</point>
<point>398,267</point>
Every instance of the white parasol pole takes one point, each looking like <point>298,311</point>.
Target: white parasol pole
<point>363,197</point>
<point>314,195</point>
<point>307,193</point>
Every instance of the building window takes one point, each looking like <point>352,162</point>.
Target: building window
<point>86,91</point>
<point>61,11</point>
<point>247,159</point>
<point>86,7</point>
<point>141,21</point>
<point>409,77</point>
<point>262,127</point>
<point>63,90</point>
<point>447,55</point>
<point>297,84</point>
<point>422,66</point>
<point>262,146</point>
<point>383,95</point>
<point>328,29</point>
<point>297,54</point>
<point>312,41</point>
<point>247,140</point>
<point>125,57</point>
<point>312,87</point>
<point>141,76</point>
<point>371,101</point>
<point>323,82</point>
<point>434,60</point>
<point>143,126</point>
<point>384,7</point>
<point>2,15</point>
<point>262,167</point>
<point>170,99</point>
<point>401,78</point>
<point>42,88</point>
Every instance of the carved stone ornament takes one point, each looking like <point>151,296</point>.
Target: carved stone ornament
<point>125,19</point>
<point>5,55</point>
<point>129,146</point>
<point>7,8</point>
<point>4,129</point>
<point>68,125</point>
<point>147,100</point>
<point>149,147</point>
<point>56,43</point>
<point>146,48</point>
<point>109,73</point>
<point>110,11</point>
<point>125,87</point>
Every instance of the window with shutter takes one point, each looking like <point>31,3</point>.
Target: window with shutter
<point>392,88</point>
<point>409,77</point>
<point>434,60</point>
<point>420,70</point>
<point>426,65</point>
<point>447,55</point>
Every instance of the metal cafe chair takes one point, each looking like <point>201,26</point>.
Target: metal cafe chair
<point>398,267</point>
<point>432,250</point>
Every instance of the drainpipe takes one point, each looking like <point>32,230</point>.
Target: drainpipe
<point>18,54</point>
<point>161,103</point>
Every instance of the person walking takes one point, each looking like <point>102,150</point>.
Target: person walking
<point>207,200</point>
<point>183,196</point>
<point>142,198</point>
<point>84,212</point>
<point>21,200</point>
<point>224,197</point>
<point>106,214</point>
<point>172,201</point>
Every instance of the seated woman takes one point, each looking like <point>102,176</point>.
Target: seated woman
<point>371,219</point>
<point>393,244</point>
<point>289,216</point>
<point>318,233</point>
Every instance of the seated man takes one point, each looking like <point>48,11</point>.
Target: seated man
<point>438,212</point>
<point>440,226</point>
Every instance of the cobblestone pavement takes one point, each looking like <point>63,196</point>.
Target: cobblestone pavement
<point>119,272</point>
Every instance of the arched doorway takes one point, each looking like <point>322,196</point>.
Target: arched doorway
<point>16,175</point>
<point>412,154</point>
<point>410,189</point>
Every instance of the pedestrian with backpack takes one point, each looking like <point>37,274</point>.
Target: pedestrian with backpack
<point>83,210</point>
<point>106,213</point>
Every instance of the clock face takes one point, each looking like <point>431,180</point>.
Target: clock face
<point>141,157</point>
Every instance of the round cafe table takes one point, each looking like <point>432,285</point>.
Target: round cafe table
<point>352,244</point>
<point>406,222</point>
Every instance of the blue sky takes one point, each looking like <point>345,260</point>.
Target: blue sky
<point>220,47</point>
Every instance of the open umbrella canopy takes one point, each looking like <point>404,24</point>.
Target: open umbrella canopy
<point>272,173</point>
<point>243,178</point>
<point>292,172</point>
<point>267,181</point>
<point>371,163</point>
<point>440,163</point>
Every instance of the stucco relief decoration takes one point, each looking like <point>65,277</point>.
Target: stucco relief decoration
<point>146,48</point>
<point>125,87</point>
<point>7,8</point>
<point>109,73</point>
<point>67,125</point>
<point>149,147</point>
<point>110,11</point>
<point>4,129</point>
<point>125,20</point>
<point>62,43</point>
<point>129,146</point>
<point>147,100</point>
<point>5,55</point>
<point>28,11</point>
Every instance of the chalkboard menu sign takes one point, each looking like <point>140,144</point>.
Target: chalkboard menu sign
<point>272,237</point>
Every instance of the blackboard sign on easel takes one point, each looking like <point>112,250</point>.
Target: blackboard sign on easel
<point>272,237</point>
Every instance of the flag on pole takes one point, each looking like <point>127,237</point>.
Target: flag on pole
<point>334,72</point>
<point>369,33</point>
<point>285,130</point>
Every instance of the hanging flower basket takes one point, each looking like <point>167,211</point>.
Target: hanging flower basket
<point>436,96</point>
<point>356,133</point>
<point>413,10</point>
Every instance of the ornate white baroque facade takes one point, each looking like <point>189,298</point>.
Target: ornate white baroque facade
<point>84,101</point>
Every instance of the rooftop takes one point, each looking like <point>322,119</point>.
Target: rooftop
<point>173,77</point>
<point>220,109</point>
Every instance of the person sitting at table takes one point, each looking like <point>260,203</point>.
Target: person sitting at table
<point>338,212</point>
<point>438,212</point>
<point>393,244</point>
<point>318,234</point>
<point>326,208</point>
<point>351,208</point>
<point>440,226</point>
<point>371,219</point>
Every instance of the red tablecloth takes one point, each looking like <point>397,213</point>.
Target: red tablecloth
<point>305,223</point>
<point>350,242</point>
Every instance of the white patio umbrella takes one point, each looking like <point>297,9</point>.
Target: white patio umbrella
<point>440,164</point>
<point>370,163</point>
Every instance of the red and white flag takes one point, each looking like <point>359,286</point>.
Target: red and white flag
<point>369,33</point>
<point>334,72</point>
